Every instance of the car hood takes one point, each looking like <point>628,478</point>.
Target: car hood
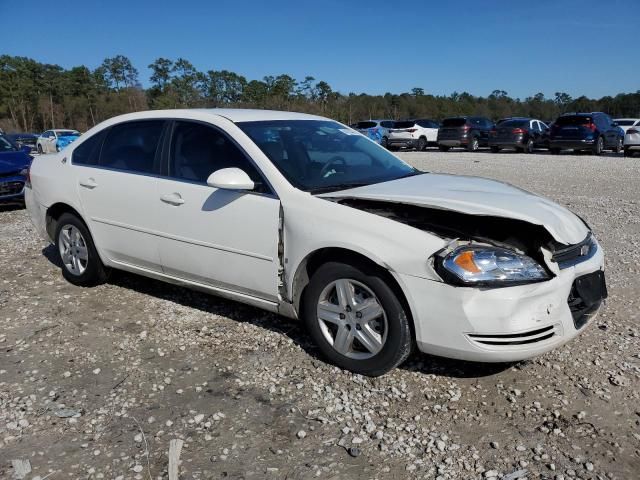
<point>11,162</point>
<point>475,196</point>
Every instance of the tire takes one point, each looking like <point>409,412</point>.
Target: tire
<point>554,151</point>
<point>443,148</point>
<point>389,332</point>
<point>384,142</point>
<point>619,146</point>
<point>422,144</point>
<point>473,144</point>
<point>628,152</point>
<point>495,149</point>
<point>40,149</point>
<point>529,148</point>
<point>599,146</point>
<point>84,272</point>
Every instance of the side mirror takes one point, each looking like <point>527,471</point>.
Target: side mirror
<point>230,179</point>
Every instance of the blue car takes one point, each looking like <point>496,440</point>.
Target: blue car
<point>14,165</point>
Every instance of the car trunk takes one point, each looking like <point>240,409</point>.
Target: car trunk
<point>452,129</point>
<point>510,130</point>
<point>403,130</point>
<point>572,127</point>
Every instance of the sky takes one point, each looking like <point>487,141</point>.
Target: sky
<point>581,47</point>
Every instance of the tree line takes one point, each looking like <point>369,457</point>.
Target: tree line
<point>36,96</point>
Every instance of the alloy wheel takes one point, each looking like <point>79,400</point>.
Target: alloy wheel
<point>352,319</point>
<point>73,250</point>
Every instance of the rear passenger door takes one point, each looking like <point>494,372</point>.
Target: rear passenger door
<point>117,183</point>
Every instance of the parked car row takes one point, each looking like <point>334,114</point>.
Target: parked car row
<point>593,132</point>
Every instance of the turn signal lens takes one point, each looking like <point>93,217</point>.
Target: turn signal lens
<point>465,261</point>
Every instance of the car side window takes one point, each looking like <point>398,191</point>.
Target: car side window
<point>88,152</point>
<point>132,146</point>
<point>198,150</point>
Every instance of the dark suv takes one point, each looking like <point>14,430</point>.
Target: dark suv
<point>466,132</point>
<point>594,132</point>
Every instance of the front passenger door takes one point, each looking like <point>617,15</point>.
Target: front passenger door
<point>226,239</point>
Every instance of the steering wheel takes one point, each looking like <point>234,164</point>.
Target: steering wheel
<point>324,172</point>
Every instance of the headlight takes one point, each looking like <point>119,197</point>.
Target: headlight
<point>490,266</point>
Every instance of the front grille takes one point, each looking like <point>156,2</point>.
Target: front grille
<point>586,296</point>
<point>574,254</point>
<point>523,338</point>
<point>11,188</point>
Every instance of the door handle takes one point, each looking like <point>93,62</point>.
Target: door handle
<point>89,183</point>
<point>172,199</point>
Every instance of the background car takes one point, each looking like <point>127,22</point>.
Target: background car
<point>626,123</point>
<point>14,163</point>
<point>632,141</point>
<point>376,130</point>
<point>55,140</point>
<point>523,134</point>
<point>416,134</point>
<point>20,139</point>
<point>466,132</point>
<point>594,132</point>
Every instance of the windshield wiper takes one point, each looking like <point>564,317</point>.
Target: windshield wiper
<point>336,187</point>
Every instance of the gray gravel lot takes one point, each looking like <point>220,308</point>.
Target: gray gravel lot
<point>94,383</point>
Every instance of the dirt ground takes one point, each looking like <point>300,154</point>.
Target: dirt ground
<point>94,383</point>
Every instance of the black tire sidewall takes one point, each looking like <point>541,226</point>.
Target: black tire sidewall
<point>95,272</point>
<point>399,340</point>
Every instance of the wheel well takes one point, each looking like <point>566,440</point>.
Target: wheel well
<point>314,260</point>
<point>54,212</point>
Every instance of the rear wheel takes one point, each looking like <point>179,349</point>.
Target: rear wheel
<point>473,144</point>
<point>619,145</point>
<point>529,147</point>
<point>356,319</point>
<point>495,149</point>
<point>81,264</point>
<point>599,146</point>
<point>39,149</point>
<point>422,144</point>
<point>384,142</point>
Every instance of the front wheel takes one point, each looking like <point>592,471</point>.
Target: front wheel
<point>40,149</point>
<point>473,144</point>
<point>81,264</point>
<point>529,147</point>
<point>356,319</point>
<point>384,142</point>
<point>422,144</point>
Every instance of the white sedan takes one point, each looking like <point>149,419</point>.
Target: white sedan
<point>303,216</point>
<point>55,140</point>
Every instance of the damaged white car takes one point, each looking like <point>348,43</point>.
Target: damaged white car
<point>305,217</point>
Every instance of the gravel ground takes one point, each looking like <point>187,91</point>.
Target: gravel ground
<point>94,383</point>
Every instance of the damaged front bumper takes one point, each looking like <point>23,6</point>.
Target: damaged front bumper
<point>505,324</point>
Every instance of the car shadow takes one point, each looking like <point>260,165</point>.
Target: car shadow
<point>241,313</point>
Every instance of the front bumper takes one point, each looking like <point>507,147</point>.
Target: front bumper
<point>11,188</point>
<point>499,324</point>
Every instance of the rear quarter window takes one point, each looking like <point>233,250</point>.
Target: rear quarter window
<point>88,152</point>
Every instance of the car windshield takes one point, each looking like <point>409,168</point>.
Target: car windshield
<point>573,120</point>
<point>404,124</point>
<point>514,123</point>
<point>321,156</point>
<point>68,133</point>
<point>6,145</point>
<point>625,123</point>
<point>454,122</point>
<point>365,125</point>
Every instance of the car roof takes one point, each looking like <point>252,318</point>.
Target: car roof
<point>252,115</point>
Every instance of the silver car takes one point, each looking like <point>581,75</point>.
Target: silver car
<point>376,130</point>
